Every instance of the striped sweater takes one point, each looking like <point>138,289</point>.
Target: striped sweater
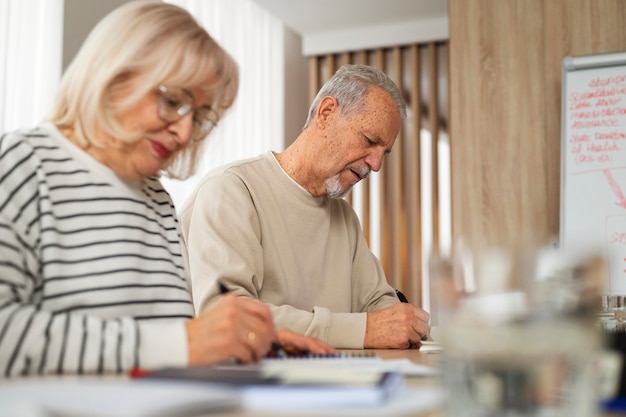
<point>92,278</point>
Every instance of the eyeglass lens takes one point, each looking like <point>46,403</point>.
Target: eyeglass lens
<point>176,103</point>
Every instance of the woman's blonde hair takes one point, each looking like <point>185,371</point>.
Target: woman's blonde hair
<point>157,42</point>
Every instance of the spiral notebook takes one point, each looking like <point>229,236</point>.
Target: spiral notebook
<point>307,369</point>
<point>339,358</point>
<point>364,361</point>
<point>285,384</point>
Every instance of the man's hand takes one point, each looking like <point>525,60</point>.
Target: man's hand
<point>237,327</point>
<point>294,342</point>
<point>400,326</point>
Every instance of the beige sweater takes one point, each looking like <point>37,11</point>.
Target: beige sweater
<point>251,226</point>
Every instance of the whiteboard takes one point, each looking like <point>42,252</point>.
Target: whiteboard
<point>593,161</point>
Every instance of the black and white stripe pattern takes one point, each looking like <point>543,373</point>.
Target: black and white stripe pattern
<point>85,259</point>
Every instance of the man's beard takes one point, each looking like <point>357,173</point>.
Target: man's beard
<point>334,189</point>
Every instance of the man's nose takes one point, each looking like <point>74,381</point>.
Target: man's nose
<point>375,161</point>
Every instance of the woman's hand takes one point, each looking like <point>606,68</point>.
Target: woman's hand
<point>236,327</point>
<point>296,343</point>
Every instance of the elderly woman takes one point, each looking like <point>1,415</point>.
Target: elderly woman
<point>92,274</point>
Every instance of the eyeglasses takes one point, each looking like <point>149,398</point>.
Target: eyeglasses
<point>175,103</point>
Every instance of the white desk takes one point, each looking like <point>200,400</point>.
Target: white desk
<point>429,359</point>
<point>400,408</point>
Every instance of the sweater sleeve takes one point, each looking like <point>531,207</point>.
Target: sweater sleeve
<point>370,289</point>
<point>223,237</point>
<point>35,341</point>
<point>340,330</point>
<point>66,339</point>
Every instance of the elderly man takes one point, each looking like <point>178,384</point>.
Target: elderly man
<point>275,227</point>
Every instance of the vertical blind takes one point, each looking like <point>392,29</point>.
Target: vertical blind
<point>252,126</point>
<point>31,37</point>
<point>405,207</point>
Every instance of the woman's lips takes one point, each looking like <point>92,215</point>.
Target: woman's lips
<point>160,150</point>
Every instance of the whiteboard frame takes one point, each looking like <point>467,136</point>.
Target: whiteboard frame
<point>571,64</point>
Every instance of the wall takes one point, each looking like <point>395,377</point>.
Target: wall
<point>408,32</point>
<point>79,17</point>
<point>296,86</point>
<point>505,108</point>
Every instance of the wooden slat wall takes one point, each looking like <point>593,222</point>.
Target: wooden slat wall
<point>505,79</point>
<point>399,198</point>
<point>413,156</point>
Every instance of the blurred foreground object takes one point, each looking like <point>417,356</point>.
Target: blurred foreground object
<point>519,330</point>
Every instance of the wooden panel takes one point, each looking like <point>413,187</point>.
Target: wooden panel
<point>398,203</point>
<point>384,202</point>
<point>433,124</point>
<point>505,78</point>
<point>346,59</point>
<point>497,129</point>
<point>331,66</point>
<point>314,77</point>
<point>413,188</point>
<point>361,58</point>
<point>465,169</point>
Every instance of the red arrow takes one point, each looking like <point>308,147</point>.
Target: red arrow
<point>615,187</point>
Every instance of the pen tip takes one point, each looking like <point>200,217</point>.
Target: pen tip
<point>278,350</point>
<point>223,288</point>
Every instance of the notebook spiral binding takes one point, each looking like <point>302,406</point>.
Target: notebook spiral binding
<point>312,356</point>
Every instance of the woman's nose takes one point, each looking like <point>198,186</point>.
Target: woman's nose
<point>182,129</point>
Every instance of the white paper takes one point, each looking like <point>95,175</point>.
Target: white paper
<point>112,398</point>
<point>431,347</point>
<point>407,402</point>
<point>368,365</point>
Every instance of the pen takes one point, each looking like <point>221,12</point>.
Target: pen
<point>277,349</point>
<point>223,288</point>
<point>401,296</point>
<point>403,299</point>
<point>138,373</point>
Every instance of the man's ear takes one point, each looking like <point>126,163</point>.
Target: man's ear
<point>328,105</point>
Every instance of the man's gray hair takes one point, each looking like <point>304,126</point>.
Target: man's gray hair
<point>350,84</point>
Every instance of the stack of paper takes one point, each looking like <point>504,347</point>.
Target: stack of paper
<point>113,398</point>
<point>371,364</point>
<point>280,385</point>
<point>431,347</point>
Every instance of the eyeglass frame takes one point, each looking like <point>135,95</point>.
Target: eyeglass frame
<point>185,106</point>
